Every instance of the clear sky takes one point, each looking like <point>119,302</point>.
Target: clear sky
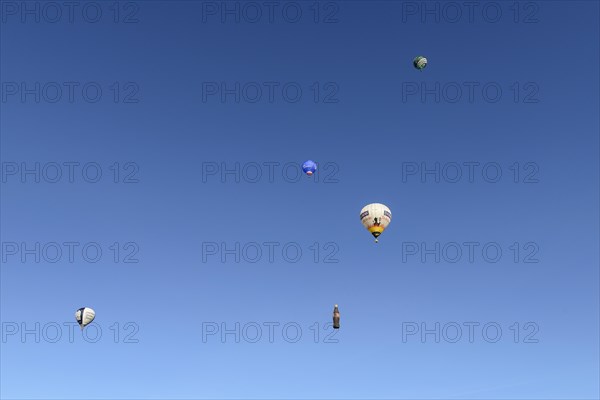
<point>171,132</point>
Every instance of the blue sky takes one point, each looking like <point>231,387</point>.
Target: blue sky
<point>150,153</point>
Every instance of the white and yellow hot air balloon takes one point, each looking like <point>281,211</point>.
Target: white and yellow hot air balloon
<point>376,217</point>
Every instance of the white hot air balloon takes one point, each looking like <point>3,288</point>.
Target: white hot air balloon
<point>84,316</point>
<point>376,217</point>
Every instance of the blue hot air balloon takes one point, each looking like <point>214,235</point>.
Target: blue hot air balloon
<point>309,167</point>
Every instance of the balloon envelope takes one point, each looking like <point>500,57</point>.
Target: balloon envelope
<point>309,167</point>
<point>375,217</point>
<point>84,316</point>
<point>336,317</point>
<point>420,62</point>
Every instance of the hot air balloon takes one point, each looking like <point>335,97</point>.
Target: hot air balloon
<point>309,167</point>
<point>420,63</point>
<point>336,317</point>
<point>84,316</point>
<point>375,217</point>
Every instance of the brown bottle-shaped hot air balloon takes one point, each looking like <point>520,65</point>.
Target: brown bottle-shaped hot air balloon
<point>336,317</point>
